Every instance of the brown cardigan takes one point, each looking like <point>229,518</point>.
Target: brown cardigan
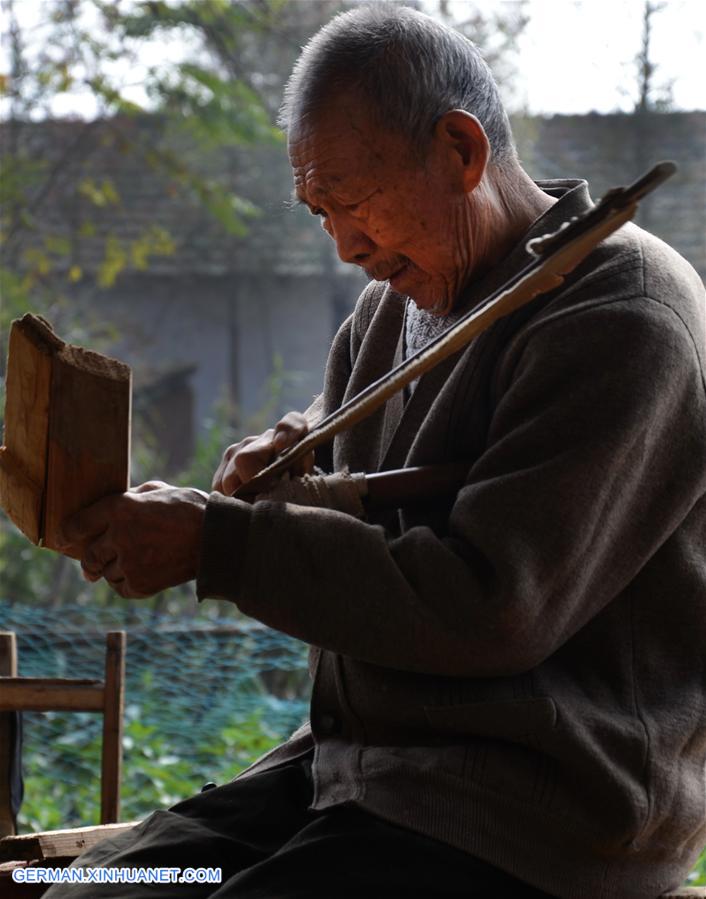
<point>521,673</point>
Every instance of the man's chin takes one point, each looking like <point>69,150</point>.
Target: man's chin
<point>410,282</point>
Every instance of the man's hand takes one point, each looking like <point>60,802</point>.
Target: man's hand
<point>142,541</point>
<point>242,461</point>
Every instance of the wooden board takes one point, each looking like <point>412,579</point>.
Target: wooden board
<point>47,694</point>
<point>57,843</point>
<point>67,430</point>
<point>23,457</point>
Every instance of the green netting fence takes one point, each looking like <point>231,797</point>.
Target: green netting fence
<point>203,699</point>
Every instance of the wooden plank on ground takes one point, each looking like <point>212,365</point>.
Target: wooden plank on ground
<point>67,430</point>
<point>57,843</point>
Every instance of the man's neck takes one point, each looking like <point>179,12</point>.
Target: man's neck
<point>507,204</point>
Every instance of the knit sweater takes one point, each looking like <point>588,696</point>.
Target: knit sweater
<point>519,672</point>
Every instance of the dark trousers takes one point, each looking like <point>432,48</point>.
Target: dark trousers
<point>269,845</point>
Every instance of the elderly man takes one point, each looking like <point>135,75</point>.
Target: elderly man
<point>509,685</point>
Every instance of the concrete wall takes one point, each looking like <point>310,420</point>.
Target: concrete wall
<point>256,341</point>
<point>612,150</point>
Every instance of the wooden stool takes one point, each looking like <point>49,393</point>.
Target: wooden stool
<point>41,694</point>
<point>53,849</point>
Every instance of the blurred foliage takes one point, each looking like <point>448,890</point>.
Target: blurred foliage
<point>204,102</point>
<point>698,876</point>
<point>155,772</point>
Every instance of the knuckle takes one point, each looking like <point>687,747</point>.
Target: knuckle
<point>249,441</point>
<point>231,451</point>
<point>244,452</point>
<point>292,421</point>
<point>258,446</point>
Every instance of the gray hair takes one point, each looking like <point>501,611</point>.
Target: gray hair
<point>410,67</point>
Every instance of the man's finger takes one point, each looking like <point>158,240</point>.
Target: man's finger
<point>293,421</point>
<point>224,477</point>
<point>222,473</point>
<point>98,555</point>
<point>230,483</point>
<point>90,575</point>
<point>289,430</point>
<point>251,459</point>
<point>119,582</point>
<point>217,481</point>
<point>113,572</point>
<point>89,523</point>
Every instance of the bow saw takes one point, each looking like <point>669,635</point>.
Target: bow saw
<point>554,256</point>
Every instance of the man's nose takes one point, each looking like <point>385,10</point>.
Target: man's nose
<point>352,244</point>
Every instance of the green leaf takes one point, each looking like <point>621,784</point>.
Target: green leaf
<point>103,194</point>
<point>114,261</point>
<point>57,244</point>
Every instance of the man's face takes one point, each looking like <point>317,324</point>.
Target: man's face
<point>398,218</point>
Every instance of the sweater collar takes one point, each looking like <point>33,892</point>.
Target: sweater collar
<point>572,199</point>
<point>402,421</point>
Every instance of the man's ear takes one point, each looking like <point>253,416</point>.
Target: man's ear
<point>461,134</point>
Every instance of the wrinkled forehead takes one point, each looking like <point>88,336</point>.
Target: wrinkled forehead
<point>341,103</point>
<point>326,149</point>
<point>342,119</point>
<point>320,171</point>
<point>343,140</point>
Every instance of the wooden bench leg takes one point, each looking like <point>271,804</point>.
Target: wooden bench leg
<point>112,753</point>
<point>8,725</point>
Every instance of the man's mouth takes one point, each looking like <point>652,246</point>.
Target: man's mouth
<point>382,274</point>
<point>398,275</point>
